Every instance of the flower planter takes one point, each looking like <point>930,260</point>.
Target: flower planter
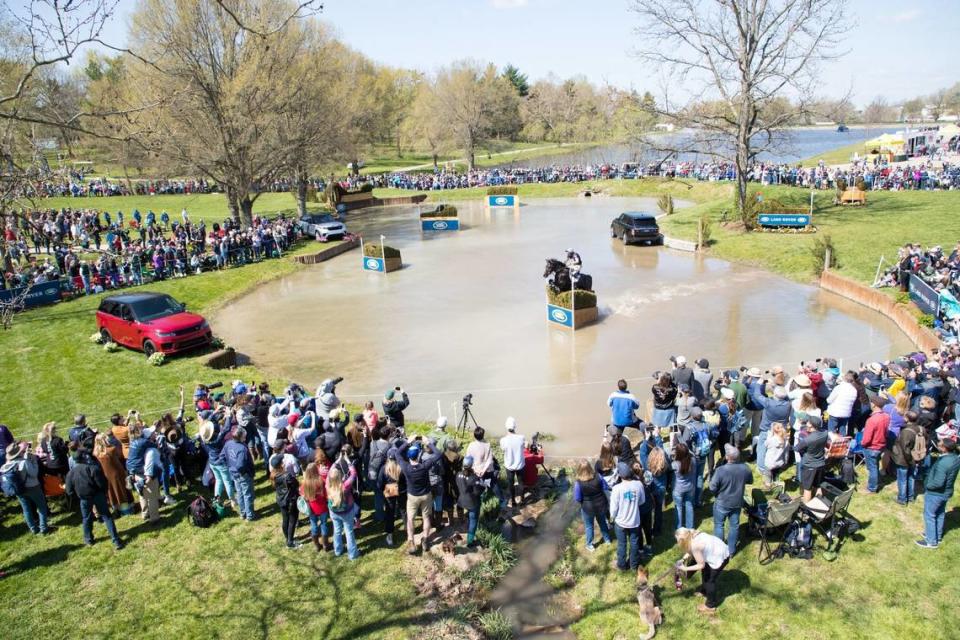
<point>560,311</point>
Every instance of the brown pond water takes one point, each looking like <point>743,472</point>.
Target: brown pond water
<point>466,314</point>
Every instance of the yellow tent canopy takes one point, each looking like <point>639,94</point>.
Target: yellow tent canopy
<point>885,141</point>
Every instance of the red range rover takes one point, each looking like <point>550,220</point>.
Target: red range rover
<point>151,322</point>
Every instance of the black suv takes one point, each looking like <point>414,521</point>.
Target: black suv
<point>636,226</point>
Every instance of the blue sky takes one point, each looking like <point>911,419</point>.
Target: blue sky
<point>896,49</point>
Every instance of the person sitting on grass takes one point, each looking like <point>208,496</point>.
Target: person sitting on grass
<point>710,555</point>
<point>626,497</point>
<point>287,489</point>
<point>87,482</point>
<point>469,499</point>
<point>590,491</point>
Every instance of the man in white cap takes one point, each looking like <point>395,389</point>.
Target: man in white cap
<point>439,434</point>
<point>681,374</point>
<point>512,446</point>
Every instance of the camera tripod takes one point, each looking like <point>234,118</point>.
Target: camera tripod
<point>466,416</point>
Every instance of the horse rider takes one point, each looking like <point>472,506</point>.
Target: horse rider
<point>574,263</point>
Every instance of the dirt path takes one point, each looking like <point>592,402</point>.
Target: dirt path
<point>522,595</point>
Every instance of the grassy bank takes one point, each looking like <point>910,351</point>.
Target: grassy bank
<point>234,580</point>
<point>840,155</point>
<point>881,585</point>
<point>860,234</point>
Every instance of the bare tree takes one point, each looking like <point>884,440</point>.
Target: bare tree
<point>733,57</point>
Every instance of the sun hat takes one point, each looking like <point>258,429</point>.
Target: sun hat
<point>802,380</point>
<point>511,424</point>
<point>875,367</point>
<point>754,372</point>
<point>14,451</point>
<point>727,393</point>
<point>206,431</point>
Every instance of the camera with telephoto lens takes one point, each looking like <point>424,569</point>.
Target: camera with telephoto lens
<point>535,442</point>
<point>467,400</point>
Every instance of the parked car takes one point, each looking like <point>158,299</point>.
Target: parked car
<point>322,226</point>
<point>636,226</point>
<point>151,322</point>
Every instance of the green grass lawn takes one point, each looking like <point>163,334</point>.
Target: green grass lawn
<point>840,155</point>
<point>860,234</point>
<point>211,207</point>
<point>880,586</point>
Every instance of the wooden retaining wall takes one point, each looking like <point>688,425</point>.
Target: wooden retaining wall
<point>326,254</point>
<point>922,337</point>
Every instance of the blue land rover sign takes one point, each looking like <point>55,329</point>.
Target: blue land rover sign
<point>559,315</point>
<point>501,201</point>
<point>784,219</point>
<point>373,264</point>
<point>439,225</point>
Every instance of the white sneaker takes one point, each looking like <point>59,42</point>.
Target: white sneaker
<point>169,500</point>
<point>389,539</point>
<point>591,548</point>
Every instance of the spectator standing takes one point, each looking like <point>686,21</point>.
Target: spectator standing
<point>239,462</point>
<point>512,446</point>
<point>625,500</point>
<point>23,468</point>
<point>939,489</point>
<point>590,492</point>
<point>728,485</point>
<point>87,482</point>
<point>875,441</point>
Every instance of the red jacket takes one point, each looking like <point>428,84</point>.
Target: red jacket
<point>530,462</point>
<point>875,433</point>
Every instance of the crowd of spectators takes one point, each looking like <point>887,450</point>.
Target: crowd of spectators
<point>93,251</point>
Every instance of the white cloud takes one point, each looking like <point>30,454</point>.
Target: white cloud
<point>508,4</point>
<point>905,16</point>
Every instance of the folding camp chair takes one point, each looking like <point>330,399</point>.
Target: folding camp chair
<point>828,513</point>
<point>778,516</point>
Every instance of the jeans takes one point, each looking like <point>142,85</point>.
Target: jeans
<point>377,501</point>
<point>86,512</point>
<point>934,508</point>
<point>34,505</point>
<point>244,487</point>
<point>683,505</point>
<point>588,525</point>
<point>906,483</point>
<point>222,482</point>
<point>762,452</point>
<point>721,515</point>
<point>838,425</point>
<point>264,447</point>
<point>709,576</point>
<point>473,519</point>
<point>699,464</point>
<point>343,524</point>
<point>872,458</point>
<point>658,495</point>
<point>625,536</point>
<point>318,524</point>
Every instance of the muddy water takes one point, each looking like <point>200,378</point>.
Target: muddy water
<point>466,314</point>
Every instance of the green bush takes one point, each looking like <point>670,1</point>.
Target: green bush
<point>926,320</point>
<point>442,211</point>
<point>903,297</point>
<point>819,251</point>
<point>705,229</point>
<point>584,299</point>
<point>502,191</point>
<point>373,250</point>
<point>495,625</point>
<point>366,187</point>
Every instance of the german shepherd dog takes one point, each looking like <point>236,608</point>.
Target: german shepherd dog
<point>650,613</point>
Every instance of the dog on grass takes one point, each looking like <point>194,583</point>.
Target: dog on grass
<point>650,613</point>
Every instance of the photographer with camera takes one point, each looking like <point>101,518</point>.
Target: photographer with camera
<point>532,459</point>
<point>394,402</point>
<point>416,472</point>
<point>512,446</point>
<point>326,399</point>
<point>623,406</point>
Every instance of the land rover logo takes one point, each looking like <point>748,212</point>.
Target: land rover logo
<point>439,224</point>
<point>500,200</point>
<point>559,316</point>
<point>373,264</point>
<point>764,218</point>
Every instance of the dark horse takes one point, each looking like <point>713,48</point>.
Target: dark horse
<point>558,277</point>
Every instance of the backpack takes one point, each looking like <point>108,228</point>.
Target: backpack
<point>10,481</point>
<point>848,472</point>
<point>201,513</point>
<point>701,442</point>
<point>919,451</point>
<point>798,541</point>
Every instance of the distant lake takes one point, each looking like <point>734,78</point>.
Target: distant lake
<point>798,145</point>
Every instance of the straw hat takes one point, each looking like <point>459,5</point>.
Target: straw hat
<point>802,380</point>
<point>206,431</point>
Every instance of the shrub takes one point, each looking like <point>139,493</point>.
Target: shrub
<point>495,625</point>
<point>926,320</point>
<point>903,297</point>
<point>111,347</point>
<point>442,211</point>
<point>157,359</point>
<point>373,250</point>
<point>506,190</point>
<point>665,204</point>
<point>217,343</point>
<point>366,187</point>
<point>583,299</point>
<point>819,251</point>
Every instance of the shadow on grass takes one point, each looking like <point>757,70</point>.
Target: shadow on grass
<point>42,558</point>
